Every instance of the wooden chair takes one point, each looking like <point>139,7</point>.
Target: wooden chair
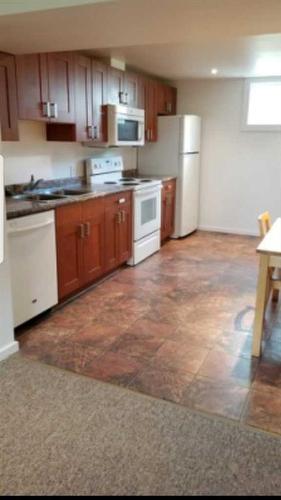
<point>275,274</point>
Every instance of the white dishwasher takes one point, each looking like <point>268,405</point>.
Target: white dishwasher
<point>33,260</point>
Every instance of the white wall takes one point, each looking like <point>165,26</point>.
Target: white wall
<point>241,171</point>
<point>50,160</point>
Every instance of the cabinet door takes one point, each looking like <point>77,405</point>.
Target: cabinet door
<point>171,100</point>
<point>151,110</point>
<point>8,99</point>
<point>131,89</point>
<point>116,86</point>
<point>70,240</point>
<point>112,221</point>
<point>61,87</point>
<point>168,209</point>
<point>166,99</point>
<point>125,233</point>
<point>83,98</point>
<point>141,92</point>
<point>163,215</point>
<point>32,82</point>
<point>99,98</point>
<point>94,242</point>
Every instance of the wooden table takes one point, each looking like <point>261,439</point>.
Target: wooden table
<point>270,256</point>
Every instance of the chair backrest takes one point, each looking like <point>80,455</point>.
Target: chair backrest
<point>264,223</point>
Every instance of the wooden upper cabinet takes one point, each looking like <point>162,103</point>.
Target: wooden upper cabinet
<point>83,98</point>
<point>61,86</point>
<point>141,91</point>
<point>46,87</point>
<point>131,86</point>
<point>166,99</point>
<point>8,99</point>
<point>151,131</point>
<point>32,86</point>
<point>115,86</point>
<point>99,99</point>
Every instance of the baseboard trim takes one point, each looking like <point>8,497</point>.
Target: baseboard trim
<point>227,230</point>
<point>8,350</point>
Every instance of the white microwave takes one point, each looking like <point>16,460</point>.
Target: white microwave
<point>125,126</point>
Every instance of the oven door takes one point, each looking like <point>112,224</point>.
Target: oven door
<point>147,212</point>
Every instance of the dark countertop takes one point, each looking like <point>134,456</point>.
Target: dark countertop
<point>20,208</point>
<point>163,178</point>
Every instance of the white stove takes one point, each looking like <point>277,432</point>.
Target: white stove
<point>146,198</point>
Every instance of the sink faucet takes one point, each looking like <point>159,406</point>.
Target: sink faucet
<point>33,184</point>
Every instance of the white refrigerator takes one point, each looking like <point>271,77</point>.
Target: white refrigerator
<point>177,153</point>
<point>7,343</point>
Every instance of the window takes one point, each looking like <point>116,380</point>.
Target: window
<point>263,104</point>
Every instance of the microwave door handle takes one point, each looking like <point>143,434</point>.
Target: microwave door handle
<point>141,132</point>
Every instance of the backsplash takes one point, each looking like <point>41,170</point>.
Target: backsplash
<point>51,160</point>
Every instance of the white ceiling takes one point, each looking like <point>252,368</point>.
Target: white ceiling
<point>170,38</point>
<point>20,6</point>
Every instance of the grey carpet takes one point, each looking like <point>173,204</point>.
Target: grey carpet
<point>61,434</point>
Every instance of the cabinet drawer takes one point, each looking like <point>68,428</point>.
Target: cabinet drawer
<point>118,199</point>
<point>169,186</point>
<point>70,214</point>
<point>93,208</point>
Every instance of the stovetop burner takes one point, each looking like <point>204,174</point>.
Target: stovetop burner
<point>110,182</point>
<point>127,179</point>
<point>145,180</point>
<point>129,183</point>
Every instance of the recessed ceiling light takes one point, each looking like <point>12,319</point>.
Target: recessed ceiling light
<point>214,71</point>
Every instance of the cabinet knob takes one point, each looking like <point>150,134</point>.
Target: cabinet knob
<point>121,201</point>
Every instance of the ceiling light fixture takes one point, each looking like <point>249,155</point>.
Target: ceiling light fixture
<point>214,71</point>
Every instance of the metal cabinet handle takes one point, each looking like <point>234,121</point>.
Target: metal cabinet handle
<point>90,131</point>
<point>82,231</point>
<point>95,132</point>
<point>46,109</point>
<point>118,217</point>
<point>123,216</point>
<point>54,110</point>
<point>87,229</point>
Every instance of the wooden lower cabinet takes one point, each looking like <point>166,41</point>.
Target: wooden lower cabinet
<point>93,238</point>
<point>118,230</point>
<point>168,209</point>
<point>69,249</point>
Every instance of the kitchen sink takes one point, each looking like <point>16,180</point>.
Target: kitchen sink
<point>72,192</point>
<point>39,197</point>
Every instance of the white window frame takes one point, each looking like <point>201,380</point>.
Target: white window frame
<point>256,128</point>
